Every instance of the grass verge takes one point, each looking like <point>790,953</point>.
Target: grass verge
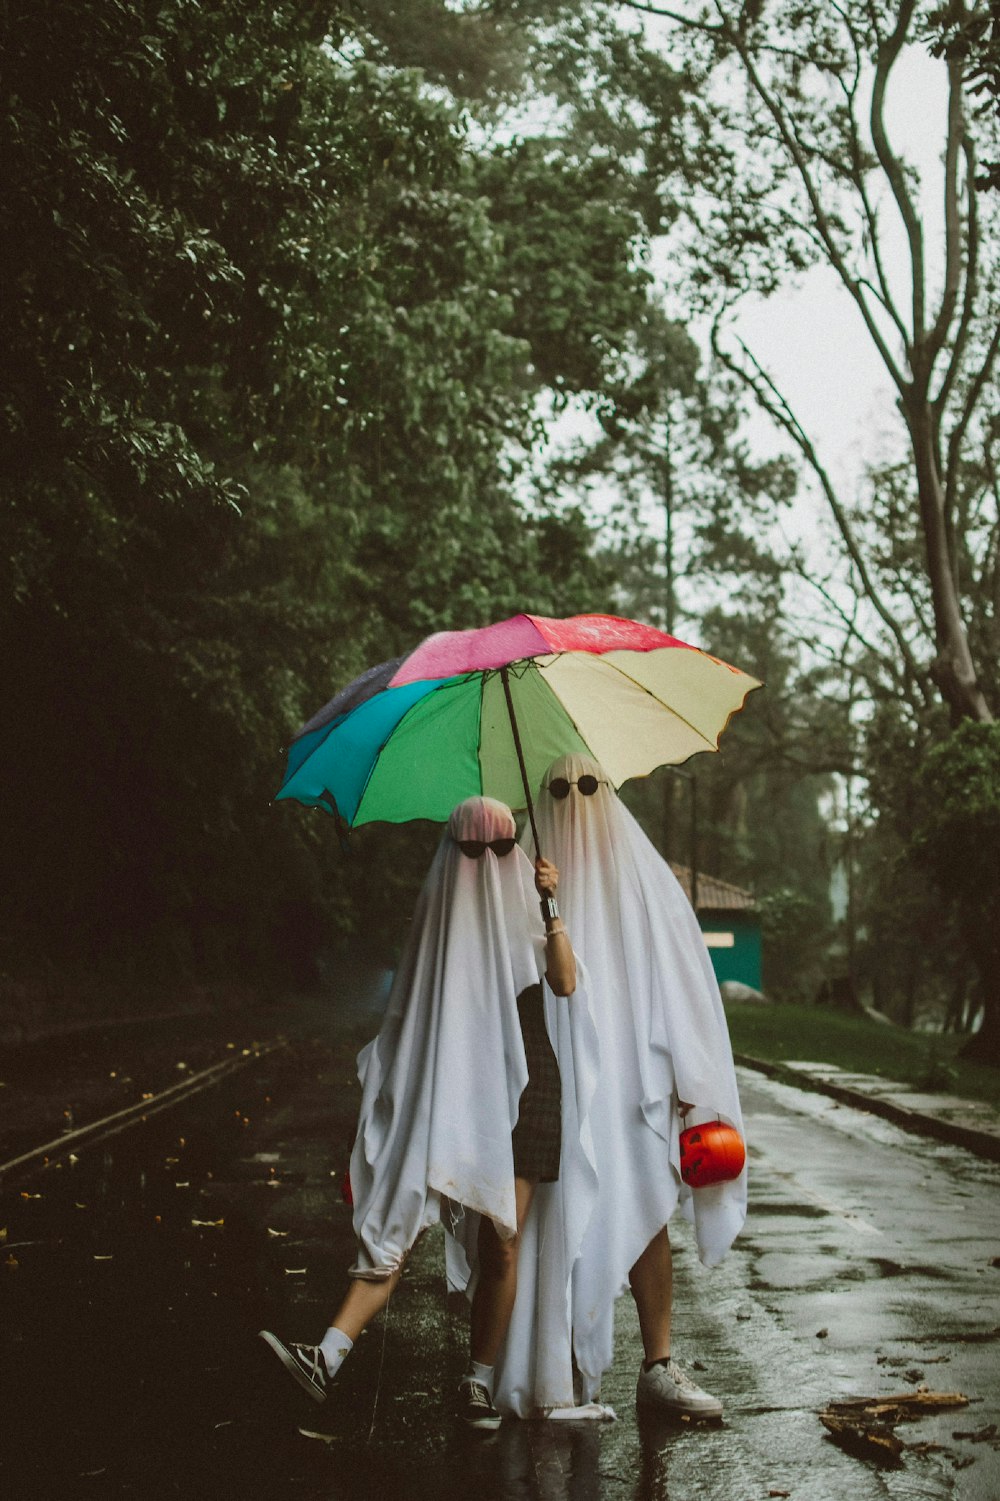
<point>782,1032</point>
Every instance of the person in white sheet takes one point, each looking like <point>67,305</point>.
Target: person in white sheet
<point>461,1114</point>
<point>664,1050</point>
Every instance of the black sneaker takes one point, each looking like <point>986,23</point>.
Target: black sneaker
<point>475,1406</point>
<point>304,1363</point>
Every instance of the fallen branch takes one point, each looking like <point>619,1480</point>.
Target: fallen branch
<point>865,1425</point>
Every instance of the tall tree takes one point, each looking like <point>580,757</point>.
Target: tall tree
<point>797,165</point>
<point>268,399</point>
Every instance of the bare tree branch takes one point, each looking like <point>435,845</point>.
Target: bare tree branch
<point>775,404</point>
<point>888,52</point>
<point>792,145</point>
<point>849,622</point>
<point>952,216</point>
<point>673,15</point>
<point>871,215</point>
<point>976,388</point>
<point>971,287</point>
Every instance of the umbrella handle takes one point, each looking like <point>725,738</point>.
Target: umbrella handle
<point>504,678</point>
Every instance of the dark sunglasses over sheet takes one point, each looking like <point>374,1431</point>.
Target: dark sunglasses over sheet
<point>474,849</point>
<point>588,785</point>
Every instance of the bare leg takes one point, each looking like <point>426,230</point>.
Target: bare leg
<point>651,1280</point>
<point>493,1301</point>
<point>363,1300</point>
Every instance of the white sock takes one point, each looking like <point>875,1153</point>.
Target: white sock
<point>482,1373</point>
<point>335,1347</point>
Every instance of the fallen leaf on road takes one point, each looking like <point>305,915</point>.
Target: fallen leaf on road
<point>822,1334</point>
<point>779,1493</point>
<point>12,1262</point>
<point>3,1234</point>
<point>104,1258</point>
<point>276,1233</point>
<point>205,1224</point>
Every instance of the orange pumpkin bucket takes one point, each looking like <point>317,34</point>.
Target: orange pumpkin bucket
<point>712,1153</point>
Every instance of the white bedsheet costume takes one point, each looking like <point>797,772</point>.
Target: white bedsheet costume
<point>441,1085</point>
<point>662,1038</point>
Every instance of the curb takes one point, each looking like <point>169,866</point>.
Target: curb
<point>982,1143</point>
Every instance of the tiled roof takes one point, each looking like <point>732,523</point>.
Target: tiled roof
<point>714,895</point>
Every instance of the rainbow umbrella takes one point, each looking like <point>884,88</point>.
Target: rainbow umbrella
<point>486,711</point>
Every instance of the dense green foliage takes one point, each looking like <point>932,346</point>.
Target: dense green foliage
<point>265,398</point>
<point>291,289</point>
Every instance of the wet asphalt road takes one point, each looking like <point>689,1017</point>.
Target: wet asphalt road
<point>133,1286</point>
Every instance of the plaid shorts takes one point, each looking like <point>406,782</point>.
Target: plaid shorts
<point>537,1137</point>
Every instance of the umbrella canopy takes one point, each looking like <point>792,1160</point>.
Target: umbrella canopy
<point>412,737</point>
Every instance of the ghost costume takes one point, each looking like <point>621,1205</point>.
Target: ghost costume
<point>662,1038</point>
<point>441,1087</point>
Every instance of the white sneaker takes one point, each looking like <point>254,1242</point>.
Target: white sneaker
<point>671,1389</point>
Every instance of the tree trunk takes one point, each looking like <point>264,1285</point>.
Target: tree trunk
<point>984,1046</point>
<point>953,669</point>
<point>982,937</point>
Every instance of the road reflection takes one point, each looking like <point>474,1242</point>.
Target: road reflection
<point>549,1461</point>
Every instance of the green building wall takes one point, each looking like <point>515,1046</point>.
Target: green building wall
<point>741,959</point>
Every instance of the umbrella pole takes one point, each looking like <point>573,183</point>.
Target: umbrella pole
<point>505,679</point>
